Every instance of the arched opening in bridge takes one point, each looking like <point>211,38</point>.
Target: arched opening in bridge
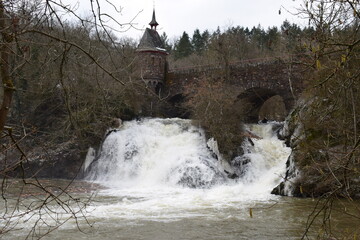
<point>260,103</point>
<point>273,109</point>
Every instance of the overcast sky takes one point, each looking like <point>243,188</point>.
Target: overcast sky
<point>176,16</point>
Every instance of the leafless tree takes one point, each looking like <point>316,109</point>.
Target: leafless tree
<point>63,77</point>
<point>212,103</point>
<point>329,153</point>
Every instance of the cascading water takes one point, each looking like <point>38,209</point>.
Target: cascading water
<point>263,163</point>
<point>163,182</point>
<point>162,169</point>
<point>155,152</point>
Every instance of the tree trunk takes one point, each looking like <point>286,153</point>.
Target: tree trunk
<point>5,67</point>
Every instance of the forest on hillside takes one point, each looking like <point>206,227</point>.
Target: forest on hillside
<point>237,43</point>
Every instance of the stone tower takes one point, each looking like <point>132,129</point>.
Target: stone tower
<point>152,57</point>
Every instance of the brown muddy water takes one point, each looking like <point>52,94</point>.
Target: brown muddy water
<point>172,214</point>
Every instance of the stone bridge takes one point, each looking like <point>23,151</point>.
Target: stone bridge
<point>256,81</point>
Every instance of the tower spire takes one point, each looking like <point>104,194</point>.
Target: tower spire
<point>153,22</point>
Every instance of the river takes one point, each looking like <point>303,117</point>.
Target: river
<point>158,179</point>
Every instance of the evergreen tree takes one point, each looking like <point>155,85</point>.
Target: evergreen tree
<point>165,41</point>
<point>291,34</point>
<point>206,38</point>
<point>258,37</point>
<point>183,47</point>
<point>198,42</point>
<point>247,32</point>
<point>272,38</point>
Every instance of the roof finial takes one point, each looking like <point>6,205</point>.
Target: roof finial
<point>153,22</point>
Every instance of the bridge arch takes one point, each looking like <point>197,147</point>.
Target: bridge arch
<point>253,99</point>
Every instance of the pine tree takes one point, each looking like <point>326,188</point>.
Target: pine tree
<point>290,33</point>
<point>183,47</point>
<point>165,40</point>
<point>272,38</point>
<point>206,38</point>
<point>198,42</point>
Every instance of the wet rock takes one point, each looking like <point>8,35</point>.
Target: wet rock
<point>279,189</point>
<point>240,165</point>
<point>231,175</point>
<point>63,161</point>
<point>116,123</point>
<point>193,177</point>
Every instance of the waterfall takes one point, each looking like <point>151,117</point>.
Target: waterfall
<point>263,163</point>
<point>154,152</point>
<point>173,153</point>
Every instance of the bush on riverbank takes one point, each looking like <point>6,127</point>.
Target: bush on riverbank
<point>329,152</point>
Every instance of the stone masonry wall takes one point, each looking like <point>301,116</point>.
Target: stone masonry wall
<point>152,65</point>
<point>283,79</point>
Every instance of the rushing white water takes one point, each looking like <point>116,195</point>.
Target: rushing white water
<point>263,164</point>
<point>161,169</point>
<point>162,182</point>
<point>157,152</point>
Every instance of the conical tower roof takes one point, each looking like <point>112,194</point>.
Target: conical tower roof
<point>151,41</point>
